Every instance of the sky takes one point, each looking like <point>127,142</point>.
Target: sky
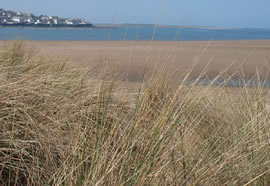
<point>219,13</point>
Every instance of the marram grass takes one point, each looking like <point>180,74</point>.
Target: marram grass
<point>61,125</point>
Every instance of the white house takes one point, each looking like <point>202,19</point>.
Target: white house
<point>44,18</point>
<point>37,21</point>
<point>16,19</point>
<point>55,21</point>
<point>29,20</point>
<point>69,22</point>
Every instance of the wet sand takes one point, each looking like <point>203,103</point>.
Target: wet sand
<point>241,57</point>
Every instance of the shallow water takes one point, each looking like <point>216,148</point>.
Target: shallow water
<point>251,83</point>
<point>144,33</point>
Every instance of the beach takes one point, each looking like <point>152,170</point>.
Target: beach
<point>241,58</point>
<point>63,109</point>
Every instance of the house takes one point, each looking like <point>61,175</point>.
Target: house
<point>29,20</point>
<point>37,22</point>
<point>82,22</point>
<point>76,21</point>
<point>55,21</point>
<point>4,20</point>
<point>44,18</point>
<point>9,14</point>
<point>69,22</point>
<point>16,19</point>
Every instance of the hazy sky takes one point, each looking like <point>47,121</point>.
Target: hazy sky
<point>222,13</point>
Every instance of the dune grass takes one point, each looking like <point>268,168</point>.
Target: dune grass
<point>66,125</point>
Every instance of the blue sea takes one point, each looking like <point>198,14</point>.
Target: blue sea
<point>133,33</point>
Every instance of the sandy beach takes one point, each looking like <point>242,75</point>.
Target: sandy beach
<point>246,57</point>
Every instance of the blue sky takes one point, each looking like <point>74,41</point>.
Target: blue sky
<point>220,13</point>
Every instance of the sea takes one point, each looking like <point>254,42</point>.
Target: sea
<point>134,33</point>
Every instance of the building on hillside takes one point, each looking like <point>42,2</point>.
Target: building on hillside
<point>82,21</point>
<point>37,22</point>
<point>4,19</point>
<point>29,20</point>
<point>69,22</point>
<point>16,19</point>
<point>55,21</point>
<point>10,17</point>
<point>9,14</point>
<point>75,21</point>
<point>44,18</point>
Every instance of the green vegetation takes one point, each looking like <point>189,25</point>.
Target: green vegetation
<point>61,125</point>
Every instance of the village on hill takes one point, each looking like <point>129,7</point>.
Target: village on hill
<point>12,18</point>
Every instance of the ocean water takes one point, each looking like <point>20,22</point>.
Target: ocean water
<point>132,33</point>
